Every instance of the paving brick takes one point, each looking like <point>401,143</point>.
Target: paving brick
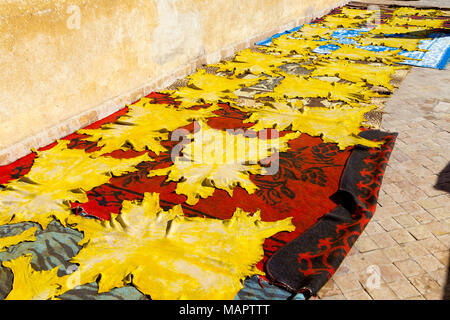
<point>443,257</point>
<point>389,224</point>
<point>356,263</point>
<point>336,297</point>
<point>415,249</point>
<point>440,276</point>
<point>435,294</point>
<point>396,253</point>
<point>373,228</point>
<point>393,176</point>
<point>385,199</point>
<point>424,160</point>
<point>329,289</point>
<point>389,211</point>
<point>413,193</point>
<point>418,194</point>
<point>359,294</point>
<point>416,298</point>
<point>347,283</point>
<point>409,267</point>
<point>383,240</point>
<point>445,239</point>
<point>432,244</point>
<point>430,190</point>
<point>343,269</point>
<point>353,251</point>
<point>375,257</point>
<point>420,232</point>
<point>406,220</point>
<point>442,199</point>
<point>401,236</point>
<point>384,292</point>
<point>403,289</point>
<point>440,213</point>
<point>390,273</point>
<point>401,197</point>
<point>438,228</point>
<point>364,244</point>
<point>420,170</point>
<point>430,203</point>
<point>429,263</point>
<point>423,217</point>
<point>370,277</point>
<point>400,156</point>
<point>425,284</point>
<point>423,181</point>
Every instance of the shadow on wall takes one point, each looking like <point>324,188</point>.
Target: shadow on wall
<point>443,183</point>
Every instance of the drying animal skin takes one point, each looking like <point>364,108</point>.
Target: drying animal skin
<point>162,253</point>
<point>255,63</point>
<point>357,13</point>
<point>309,31</point>
<point>402,43</point>
<point>222,160</point>
<point>57,177</point>
<point>344,22</point>
<point>27,235</point>
<point>287,46</point>
<point>426,23</point>
<point>353,53</point>
<point>144,126</point>
<point>356,72</point>
<point>300,87</point>
<point>339,125</point>
<point>209,88</point>
<point>409,11</point>
<point>30,284</point>
<point>390,29</point>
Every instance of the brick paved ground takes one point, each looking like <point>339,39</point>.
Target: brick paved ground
<point>408,239</point>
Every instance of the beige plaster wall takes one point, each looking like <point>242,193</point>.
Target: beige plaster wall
<point>67,63</point>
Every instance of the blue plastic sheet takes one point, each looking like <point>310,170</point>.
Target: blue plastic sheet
<point>268,41</point>
<point>436,56</point>
<point>345,36</point>
<point>326,49</point>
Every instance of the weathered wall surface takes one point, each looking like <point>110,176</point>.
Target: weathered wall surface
<point>67,63</point>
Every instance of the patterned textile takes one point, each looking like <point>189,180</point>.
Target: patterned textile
<point>317,253</point>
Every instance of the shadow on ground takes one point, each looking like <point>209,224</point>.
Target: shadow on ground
<point>443,183</point>
<point>443,180</point>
